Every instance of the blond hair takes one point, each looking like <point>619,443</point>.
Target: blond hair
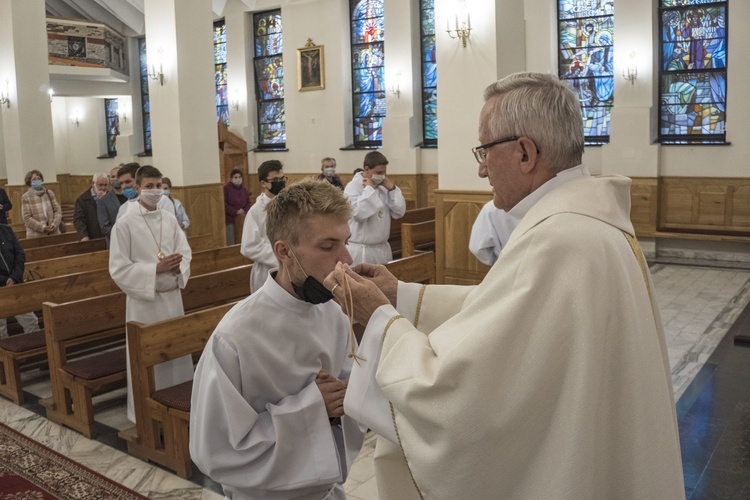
<point>290,210</point>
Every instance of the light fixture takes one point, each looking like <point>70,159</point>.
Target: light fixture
<point>461,25</point>
<point>124,117</point>
<point>153,73</point>
<point>235,100</point>
<point>74,119</point>
<point>630,72</point>
<point>51,93</point>
<point>396,88</point>
<point>5,96</point>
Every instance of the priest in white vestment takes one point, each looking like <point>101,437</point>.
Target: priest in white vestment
<point>266,416</point>
<point>149,259</point>
<point>550,379</point>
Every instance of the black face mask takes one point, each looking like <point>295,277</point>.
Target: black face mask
<point>276,187</point>
<point>311,290</point>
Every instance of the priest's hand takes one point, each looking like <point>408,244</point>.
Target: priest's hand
<point>365,295</point>
<point>170,263</point>
<point>333,391</point>
<point>381,276</point>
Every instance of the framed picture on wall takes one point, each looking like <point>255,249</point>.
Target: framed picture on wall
<point>310,67</point>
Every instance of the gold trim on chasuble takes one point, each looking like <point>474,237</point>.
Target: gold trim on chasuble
<point>636,248</point>
<point>393,410</point>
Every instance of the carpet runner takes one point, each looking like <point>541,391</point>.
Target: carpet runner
<point>29,470</point>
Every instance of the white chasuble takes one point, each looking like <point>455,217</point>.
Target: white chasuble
<point>136,241</point>
<point>550,379</point>
<point>258,422</point>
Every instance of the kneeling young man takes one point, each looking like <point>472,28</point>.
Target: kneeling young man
<point>267,416</point>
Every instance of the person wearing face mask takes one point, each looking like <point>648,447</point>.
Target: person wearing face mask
<point>150,261</point>
<point>85,218</point>
<point>328,172</point>
<point>39,208</point>
<point>236,202</point>
<point>127,181</point>
<point>255,243</point>
<point>179,208</point>
<point>375,201</point>
<point>108,206</point>
<point>266,419</point>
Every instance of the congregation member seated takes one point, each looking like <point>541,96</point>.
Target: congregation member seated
<point>85,218</point>
<point>266,418</point>
<point>12,260</point>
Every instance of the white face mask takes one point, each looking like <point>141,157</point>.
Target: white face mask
<point>329,172</point>
<point>237,182</point>
<point>151,196</point>
<point>377,179</point>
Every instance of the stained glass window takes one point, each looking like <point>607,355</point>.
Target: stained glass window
<point>269,79</point>
<point>693,71</point>
<point>429,72</point>
<point>368,78</point>
<point>145,103</point>
<point>112,119</point>
<point>220,71</point>
<point>586,37</point>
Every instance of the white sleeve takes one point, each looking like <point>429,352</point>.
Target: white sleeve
<point>255,244</point>
<point>365,201</point>
<point>137,280</point>
<point>396,202</point>
<point>484,242</point>
<point>285,446</point>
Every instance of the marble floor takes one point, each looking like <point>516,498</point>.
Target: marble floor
<point>698,307</point>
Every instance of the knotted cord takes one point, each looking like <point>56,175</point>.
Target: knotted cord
<point>349,310</point>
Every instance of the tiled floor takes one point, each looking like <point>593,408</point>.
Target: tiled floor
<point>698,306</point>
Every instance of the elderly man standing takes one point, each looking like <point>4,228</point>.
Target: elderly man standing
<point>550,379</point>
<point>85,218</point>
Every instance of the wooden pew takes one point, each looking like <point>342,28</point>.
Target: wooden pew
<point>163,417</point>
<point>410,217</point>
<point>71,324</point>
<point>65,249</point>
<point>20,229</point>
<point>415,237</point>
<point>44,241</point>
<point>203,261</point>
<point>28,350</point>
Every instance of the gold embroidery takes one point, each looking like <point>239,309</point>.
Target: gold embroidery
<point>419,305</point>
<point>390,322</point>
<point>403,453</point>
<point>636,247</point>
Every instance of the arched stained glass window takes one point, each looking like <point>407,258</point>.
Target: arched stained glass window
<point>145,103</point>
<point>586,37</point>
<point>693,71</point>
<point>220,69</point>
<point>269,79</point>
<point>368,76</point>
<point>112,119</point>
<point>429,72</point>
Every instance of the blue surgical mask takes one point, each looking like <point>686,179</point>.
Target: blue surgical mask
<point>167,191</point>
<point>130,193</point>
<point>37,184</point>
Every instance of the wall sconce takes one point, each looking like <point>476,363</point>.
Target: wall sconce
<point>235,100</point>
<point>5,96</point>
<point>630,72</point>
<point>51,93</point>
<point>395,89</point>
<point>153,74</point>
<point>74,119</point>
<point>124,117</point>
<point>461,25</point>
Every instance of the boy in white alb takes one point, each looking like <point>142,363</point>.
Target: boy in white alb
<point>149,259</point>
<point>266,416</point>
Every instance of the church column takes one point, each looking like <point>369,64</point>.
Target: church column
<point>26,118</point>
<point>179,41</point>
<point>494,49</point>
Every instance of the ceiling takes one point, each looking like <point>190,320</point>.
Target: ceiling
<point>125,16</point>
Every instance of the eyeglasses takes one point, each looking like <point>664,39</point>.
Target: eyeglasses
<point>277,179</point>
<point>480,152</point>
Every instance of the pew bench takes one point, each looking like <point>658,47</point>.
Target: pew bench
<point>417,237</point>
<point>45,241</point>
<point>65,249</point>
<point>410,217</point>
<point>99,318</point>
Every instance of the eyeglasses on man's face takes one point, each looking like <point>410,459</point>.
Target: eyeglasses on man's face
<point>480,152</point>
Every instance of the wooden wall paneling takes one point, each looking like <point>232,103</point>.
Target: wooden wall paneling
<point>204,205</point>
<point>740,207</point>
<point>711,208</point>
<point>705,204</point>
<point>73,186</point>
<point>455,213</point>
<point>427,184</point>
<point>644,204</point>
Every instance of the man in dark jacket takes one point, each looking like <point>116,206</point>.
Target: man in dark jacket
<point>12,260</point>
<point>5,206</point>
<point>85,218</point>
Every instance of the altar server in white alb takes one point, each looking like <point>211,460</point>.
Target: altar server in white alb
<point>549,379</point>
<point>375,201</point>
<point>149,259</point>
<point>255,243</point>
<point>266,417</point>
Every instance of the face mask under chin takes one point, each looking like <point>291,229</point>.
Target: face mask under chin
<point>311,290</point>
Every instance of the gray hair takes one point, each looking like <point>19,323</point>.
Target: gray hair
<point>100,176</point>
<point>328,158</point>
<point>543,108</point>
